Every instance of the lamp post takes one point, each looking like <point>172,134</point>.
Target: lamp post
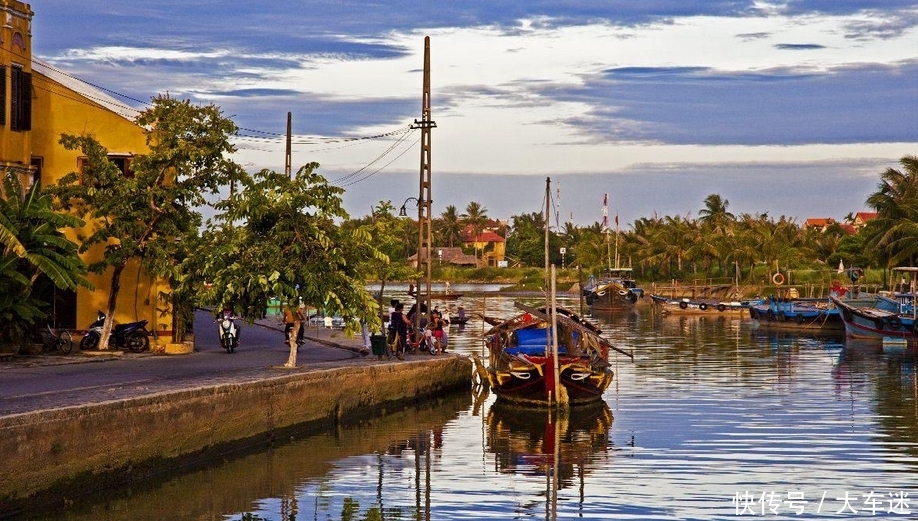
<point>423,253</point>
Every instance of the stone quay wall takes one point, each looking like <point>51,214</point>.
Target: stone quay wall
<point>61,448</point>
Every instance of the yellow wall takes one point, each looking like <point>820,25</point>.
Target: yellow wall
<point>56,110</point>
<point>16,45</point>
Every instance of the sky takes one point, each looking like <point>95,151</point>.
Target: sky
<point>788,108</point>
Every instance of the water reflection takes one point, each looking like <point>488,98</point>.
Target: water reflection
<point>559,447</point>
<point>710,408</point>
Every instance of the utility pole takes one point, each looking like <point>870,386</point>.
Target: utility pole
<point>424,200</point>
<point>287,157</point>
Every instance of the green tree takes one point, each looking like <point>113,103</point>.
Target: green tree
<point>449,227</point>
<point>475,216</point>
<point>33,246</point>
<point>278,237</point>
<point>150,215</point>
<point>894,233</point>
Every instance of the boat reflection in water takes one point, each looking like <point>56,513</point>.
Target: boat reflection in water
<point>558,445</point>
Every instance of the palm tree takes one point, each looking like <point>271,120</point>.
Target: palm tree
<point>894,234</point>
<point>475,216</point>
<point>449,226</point>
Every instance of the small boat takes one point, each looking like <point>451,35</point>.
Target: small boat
<point>686,306</point>
<point>616,289</point>
<point>799,314</point>
<point>521,366</point>
<point>457,320</point>
<point>886,316</point>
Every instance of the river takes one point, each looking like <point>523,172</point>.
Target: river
<point>714,419</point>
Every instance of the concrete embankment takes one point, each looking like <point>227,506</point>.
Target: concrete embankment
<point>54,452</point>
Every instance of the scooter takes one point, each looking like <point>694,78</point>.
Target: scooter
<point>229,332</point>
<point>133,335</point>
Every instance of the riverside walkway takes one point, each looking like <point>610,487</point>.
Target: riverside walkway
<point>49,381</point>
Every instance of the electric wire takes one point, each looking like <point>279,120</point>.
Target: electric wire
<point>263,137</point>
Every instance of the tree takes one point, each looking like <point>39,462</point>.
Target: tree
<point>150,214</point>
<point>894,233</point>
<point>33,247</point>
<point>449,226</point>
<point>278,237</point>
<point>475,216</point>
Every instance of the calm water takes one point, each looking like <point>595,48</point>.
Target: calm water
<point>714,419</point>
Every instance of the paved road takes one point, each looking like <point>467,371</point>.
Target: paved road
<point>51,381</point>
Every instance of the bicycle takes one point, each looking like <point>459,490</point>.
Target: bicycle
<point>52,341</point>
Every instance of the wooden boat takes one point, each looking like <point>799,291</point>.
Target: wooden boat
<point>521,367</point>
<point>686,306</point>
<point>456,320</point>
<point>616,289</point>
<point>886,316</point>
<point>798,314</point>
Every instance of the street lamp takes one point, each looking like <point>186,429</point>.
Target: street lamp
<point>404,213</point>
<point>423,249</point>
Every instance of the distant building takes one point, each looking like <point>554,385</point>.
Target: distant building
<point>454,256</point>
<point>862,218</point>
<point>820,223</point>
<point>493,246</point>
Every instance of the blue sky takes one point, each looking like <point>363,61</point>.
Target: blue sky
<point>792,108</point>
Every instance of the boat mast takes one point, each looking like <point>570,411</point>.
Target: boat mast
<point>547,218</point>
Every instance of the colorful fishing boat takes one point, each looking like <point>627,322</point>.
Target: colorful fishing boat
<point>890,315</point>
<point>798,314</point>
<point>522,367</point>
<point>616,289</point>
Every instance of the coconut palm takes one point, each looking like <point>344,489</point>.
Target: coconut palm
<point>449,226</point>
<point>894,234</point>
<point>475,216</point>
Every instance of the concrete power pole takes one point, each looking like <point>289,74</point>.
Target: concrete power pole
<point>424,200</point>
<point>287,158</point>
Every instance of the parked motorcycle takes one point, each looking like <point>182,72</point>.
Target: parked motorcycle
<point>133,335</point>
<point>229,332</point>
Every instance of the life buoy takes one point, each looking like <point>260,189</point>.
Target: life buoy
<point>703,306</point>
<point>721,308</point>
<point>683,304</point>
<point>894,323</point>
<point>778,279</point>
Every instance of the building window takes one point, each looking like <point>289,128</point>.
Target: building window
<point>20,99</point>
<point>36,169</point>
<point>122,161</point>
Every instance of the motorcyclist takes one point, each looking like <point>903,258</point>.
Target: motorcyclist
<point>228,313</point>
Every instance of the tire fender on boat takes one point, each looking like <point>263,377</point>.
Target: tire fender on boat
<point>847,315</point>
<point>894,323</point>
<point>683,304</point>
<point>721,308</point>
<point>799,318</point>
<point>703,306</point>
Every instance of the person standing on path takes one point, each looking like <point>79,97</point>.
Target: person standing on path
<point>289,316</point>
<point>294,332</point>
<point>301,317</point>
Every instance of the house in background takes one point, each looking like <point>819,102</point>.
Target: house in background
<point>493,246</point>
<point>39,103</point>
<point>862,218</point>
<point>444,255</point>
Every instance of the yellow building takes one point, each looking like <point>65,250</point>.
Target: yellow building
<point>40,104</point>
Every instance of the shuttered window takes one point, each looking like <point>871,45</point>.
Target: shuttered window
<point>2,95</point>
<point>20,99</point>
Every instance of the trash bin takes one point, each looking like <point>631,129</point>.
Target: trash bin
<point>378,343</point>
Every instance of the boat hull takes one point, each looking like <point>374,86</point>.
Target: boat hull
<point>668,306</point>
<point>874,323</point>
<point>798,315</point>
<point>532,383</point>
